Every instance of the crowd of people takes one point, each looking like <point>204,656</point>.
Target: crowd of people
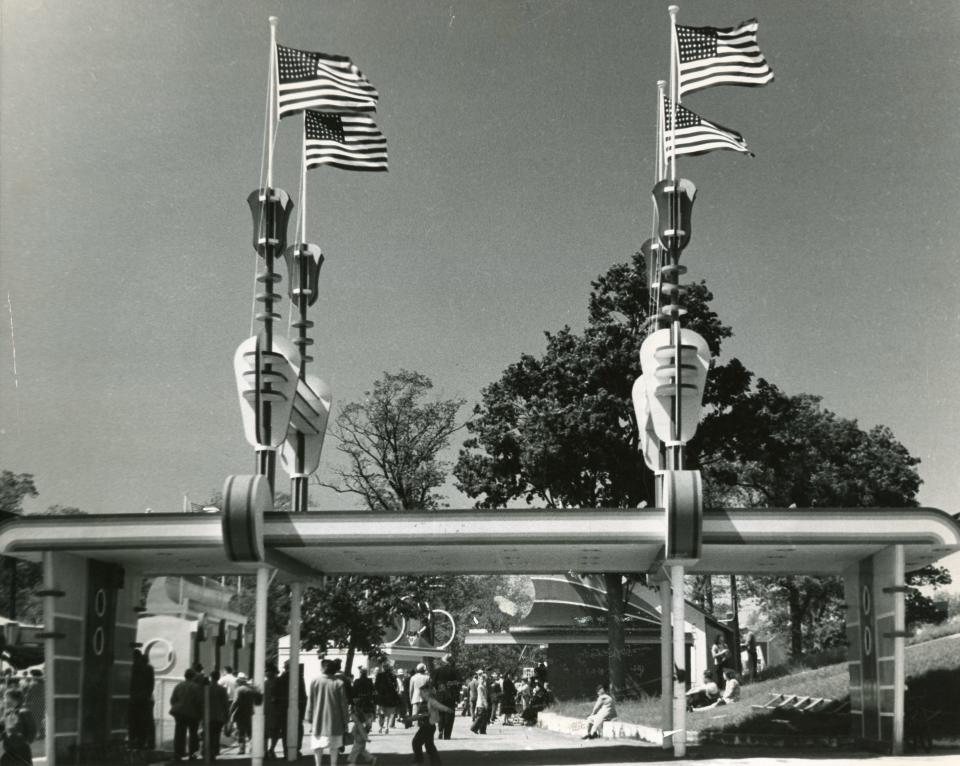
<point>343,711</point>
<point>20,724</point>
<point>487,696</point>
<point>208,705</point>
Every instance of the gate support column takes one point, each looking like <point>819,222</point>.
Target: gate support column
<point>258,748</point>
<point>679,727</point>
<point>666,662</point>
<point>293,675</point>
<point>49,661</point>
<point>899,646</point>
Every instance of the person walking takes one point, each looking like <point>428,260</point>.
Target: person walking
<point>328,713</point>
<point>416,684</point>
<point>241,712</point>
<point>482,717</point>
<point>186,707</point>
<point>496,691</point>
<point>472,695</point>
<point>386,697</point>
<point>363,694</point>
<point>427,719</point>
<point>403,697</point>
<point>140,716</point>
<point>219,712</point>
<point>274,711</point>
<point>508,699</point>
<point>446,681</point>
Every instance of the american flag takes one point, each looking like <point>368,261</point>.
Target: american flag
<point>710,56</point>
<point>695,135</point>
<point>306,79</point>
<point>345,141</point>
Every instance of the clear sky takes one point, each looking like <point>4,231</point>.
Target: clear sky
<point>521,161</point>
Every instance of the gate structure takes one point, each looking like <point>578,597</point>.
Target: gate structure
<point>93,565</point>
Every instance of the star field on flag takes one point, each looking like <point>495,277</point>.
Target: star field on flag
<point>306,79</point>
<point>345,141</point>
<point>710,56</point>
<point>695,135</point>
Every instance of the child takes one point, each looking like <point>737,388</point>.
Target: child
<point>17,732</point>
<point>427,720</point>
<point>361,736</point>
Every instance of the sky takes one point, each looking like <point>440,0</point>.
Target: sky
<point>521,140</point>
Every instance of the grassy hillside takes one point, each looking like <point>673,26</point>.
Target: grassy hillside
<point>933,670</point>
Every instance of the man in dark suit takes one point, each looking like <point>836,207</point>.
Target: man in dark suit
<point>446,680</point>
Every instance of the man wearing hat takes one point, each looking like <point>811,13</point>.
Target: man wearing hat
<point>242,710</point>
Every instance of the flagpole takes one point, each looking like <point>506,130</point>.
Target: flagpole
<point>674,89</point>
<point>661,143</point>
<point>272,106</point>
<point>303,184</point>
<point>655,247</point>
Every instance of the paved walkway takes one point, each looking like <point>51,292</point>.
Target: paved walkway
<point>526,746</point>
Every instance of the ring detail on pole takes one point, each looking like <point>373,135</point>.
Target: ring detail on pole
<point>682,495</point>
<point>245,500</point>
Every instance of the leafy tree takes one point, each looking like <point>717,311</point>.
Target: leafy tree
<point>559,429</point>
<point>920,608</point>
<point>788,451</point>
<point>16,576</point>
<point>14,487</point>
<point>392,440</point>
<point>355,612</point>
<point>19,579</point>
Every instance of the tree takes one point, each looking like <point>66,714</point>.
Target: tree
<point>560,429</point>
<point>16,575</point>
<point>19,579</point>
<point>920,608</point>
<point>392,441</point>
<point>788,451</point>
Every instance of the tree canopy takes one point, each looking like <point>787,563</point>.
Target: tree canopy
<point>392,441</point>
<point>560,429</point>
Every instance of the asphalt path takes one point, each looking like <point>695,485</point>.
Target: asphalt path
<point>530,746</point>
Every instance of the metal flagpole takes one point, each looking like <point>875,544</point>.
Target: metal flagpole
<point>674,89</point>
<point>655,246</point>
<point>272,109</point>
<point>677,448</point>
<point>302,239</point>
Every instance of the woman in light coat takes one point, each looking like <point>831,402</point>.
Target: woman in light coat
<point>328,713</point>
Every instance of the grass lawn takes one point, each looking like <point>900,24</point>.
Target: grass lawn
<point>932,666</point>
